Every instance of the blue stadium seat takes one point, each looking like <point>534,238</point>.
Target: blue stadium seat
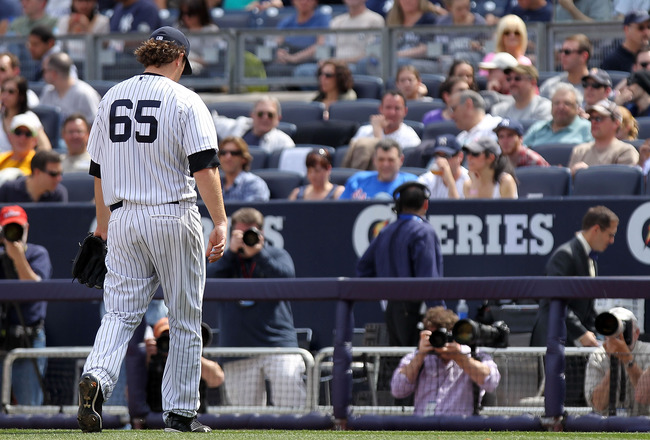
<point>417,109</point>
<point>413,157</point>
<point>231,109</point>
<point>414,170</point>
<point>534,182</point>
<point>232,19</point>
<point>331,132</point>
<point>432,81</point>
<point>368,87</point>
<point>555,154</point>
<point>435,129</point>
<point>341,175</point>
<point>606,180</point>
<point>339,155</point>
<point>276,156</point>
<point>297,112</point>
<point>280,182</point>
<point>415,125</point>
<point>359,110</point>
<point>644,127</point>
<point>51,119</point>
<point>260,157</point>
<point>101,86</point>
<point>80,186</point>
<point>618,76</point>
<point>288,128</point>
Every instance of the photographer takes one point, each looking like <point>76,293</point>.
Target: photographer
<point>442,378</point>
<point>23,323</point>
<point>157,350</point>
<point>258,323</point>
<point>632,358</point>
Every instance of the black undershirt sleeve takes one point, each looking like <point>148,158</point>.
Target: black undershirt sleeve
<point>202,160</point>
<point>95,170</point>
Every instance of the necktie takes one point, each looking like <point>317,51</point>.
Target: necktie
<point>593,255</point>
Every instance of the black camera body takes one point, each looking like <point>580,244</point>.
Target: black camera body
<point>252,236</point>
<point>162,344</point>
<point>440,337</point>
<point>12,232</point>
<point>608,324</point>
<point>472,333</point>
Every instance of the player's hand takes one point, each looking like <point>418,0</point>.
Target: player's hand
<point>217,243</point>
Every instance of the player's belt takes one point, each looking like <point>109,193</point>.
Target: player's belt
<point>119,204</point>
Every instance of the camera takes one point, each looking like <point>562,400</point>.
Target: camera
<point>252,236</point>
<point>440,337</point>
<point>12,232</point>
<point>608,324</point>
<point>162,343</point>
<point>468,332</point>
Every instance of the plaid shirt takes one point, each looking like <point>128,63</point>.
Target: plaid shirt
<point>526,157</point>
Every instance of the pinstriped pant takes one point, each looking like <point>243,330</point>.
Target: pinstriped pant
<point>151,246</point>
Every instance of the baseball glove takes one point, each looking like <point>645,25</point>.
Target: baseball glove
<point>89,266</point>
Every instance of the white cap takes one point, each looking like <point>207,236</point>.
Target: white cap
<point>501,60</point>
<point>29,120</point>
<point>623,314</point>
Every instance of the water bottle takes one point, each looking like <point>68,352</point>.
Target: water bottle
<point>462,309</point>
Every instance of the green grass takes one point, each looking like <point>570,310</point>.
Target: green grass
<point>25,434</point>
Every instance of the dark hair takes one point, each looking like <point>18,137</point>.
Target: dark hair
<point>342,74</point>
<point>458,62</point>
<point>440,317</point>
<point>584,45</point>
<point>386,144</point>
<point>156,52</point>
<point>22,86</point>
<point>198,8</point>
<point>501,165</point>
<point>74,117</point>
<point>43,157</point>
<point>448,85</point>
<point>319,156</point>
<point>598,215</point>
<point>44,33</point>
<point>243,147</point>
<point>393,92</point>
<point>410,196</point>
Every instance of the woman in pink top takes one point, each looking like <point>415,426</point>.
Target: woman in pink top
<point>511,36</point>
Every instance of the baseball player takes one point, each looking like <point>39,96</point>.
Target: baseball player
<point>151,141</point>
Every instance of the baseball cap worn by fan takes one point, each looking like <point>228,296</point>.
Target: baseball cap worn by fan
<point>510,124</point>
<point>642,78</point>
<point>13,214</point>
<point>636,17</point>
<point>445,143</point>
<point>501,60</point>
<point>27,120</point>
<point>483,144</point>
<point>168,33</point>
<point>606,108</point>
<point>523,70</point>
<point>598,75</point>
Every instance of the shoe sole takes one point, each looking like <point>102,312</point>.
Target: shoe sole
<point>88,418</point>
<point>176,430</point>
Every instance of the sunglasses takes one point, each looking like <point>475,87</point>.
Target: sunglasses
<point>516,78</point>
<point>474,154</point>
<point>54,173</point>
<point>643,27</point>
<point>10,91</point>
<point>598,118</point>
<point>644,64</point>
<point>231,152</point>
<point>511,32</point>
<point>326,74</point>
<point>569,51</point>
<point>592,85</point>
<point>20,132</point>
<point>269,115</point>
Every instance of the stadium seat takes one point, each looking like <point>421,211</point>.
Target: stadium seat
<point>432,81</point>
<point>288,128</point>
<point>414,170</point>
<point>339,155</point>
<point>644,127</point>
<point>368,87</point>
<point>555,154</point>
<point>534,182</point>
<point>415,125</point>
<point>435,129</point>
<point>341,175</point>
<point>51,119</point>
<point>260,157</point>
<point>417,109</point>
<point>359,110</point>
<point>80,186</point>
<point>279,159</point>
<point>413,157</point>
<point>617,76</point>
<point>608,180</point>
<point>231,109</point>
<point>280,182</point>
<point>331,132</point>
<point>299,112</point>
<point>101,86</point>
<point>232,18</point>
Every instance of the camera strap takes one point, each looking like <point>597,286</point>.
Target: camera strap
<point>245,271</point>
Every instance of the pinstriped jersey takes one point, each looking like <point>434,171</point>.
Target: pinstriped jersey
<point>145,129</point>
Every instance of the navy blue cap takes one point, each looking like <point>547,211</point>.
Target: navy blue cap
<point>510,124</point>
<point>168,33</point>
<point>445,143</point>
<point>636,17</point>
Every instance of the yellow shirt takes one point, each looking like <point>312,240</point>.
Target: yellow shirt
<point>24,165</point>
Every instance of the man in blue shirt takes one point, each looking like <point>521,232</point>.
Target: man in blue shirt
<point>409,247</point>
<point>531,10</point>
<point>387,160</point>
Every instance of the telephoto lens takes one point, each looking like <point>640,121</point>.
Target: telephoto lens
<point>12,232</point>
<point>251,237</point>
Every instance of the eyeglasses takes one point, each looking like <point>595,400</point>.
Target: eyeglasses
<point>569,51</point>
<point>474,153</point>
<point>326,74</point>
<point>231,152</point>
<point>20,132</point>
<point>269,115</point>
<point>643,27</point>
<point>509,32</point>
<point>598,118</point>
<point>53,173</point>
<point>644,64</point>
<point>592,85</point>
<point>10,91</point>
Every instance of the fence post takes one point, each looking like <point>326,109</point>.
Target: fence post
<point>555,386</point>
<point>342,372</point>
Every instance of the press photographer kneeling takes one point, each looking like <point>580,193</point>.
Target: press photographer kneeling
<point>443,377</point>
<point>23,324</point>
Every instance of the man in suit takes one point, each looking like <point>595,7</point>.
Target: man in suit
<point>576,258</point>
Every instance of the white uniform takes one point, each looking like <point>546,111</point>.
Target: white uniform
<point>149,132</point>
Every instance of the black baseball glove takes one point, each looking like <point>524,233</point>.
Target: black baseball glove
<point>89,266</point>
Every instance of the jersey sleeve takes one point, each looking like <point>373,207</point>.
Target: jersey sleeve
<point>199,131</point>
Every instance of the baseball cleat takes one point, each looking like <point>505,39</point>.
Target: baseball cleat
<point>89,415</point>
<point>176,423</point>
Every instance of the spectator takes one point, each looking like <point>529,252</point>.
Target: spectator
<point>387,160</point>
<point>463,69</point>
<point>636,27</point>
<point>24,129</point>
<point>409,82</point>
<point>511,36</point>
<point>447,175</point>
<point>629,130</point>
<point>596,86</point>
<point>75,132</point>
<point>443,384</point>
<point>42,185</point>
<point>334,84</point>
<point>632,358</point>
<point>134,16</point>
<point>258,323</point>
<point>491,174</point>
<point>25,320</point>
<point>622,92</point>
<point>566,125</point>
<point>13,100</point>
<point>624,7</point>
<point>583,10</point>
<point>497,80</point>
<point>319,168</point>
<point>644,155</point>
<point>195,18</point>
<point>260,129</point>
<point>531,10</point>
<point>33,15</point>
<point>408,247</point>
<point>41,44</point>
<point>10,10</point>
<point>82,19</point>
<point>639,87</point>
<point>67,92</point>
<point>606,148</point>
<point>468,112</point>
<point>236,180</point>
<point>10,68</point>
<point>527,103</point>
<point>574,57</point>
<point>449,87</point>
<point>510,135</point>
<point>460,14</point>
